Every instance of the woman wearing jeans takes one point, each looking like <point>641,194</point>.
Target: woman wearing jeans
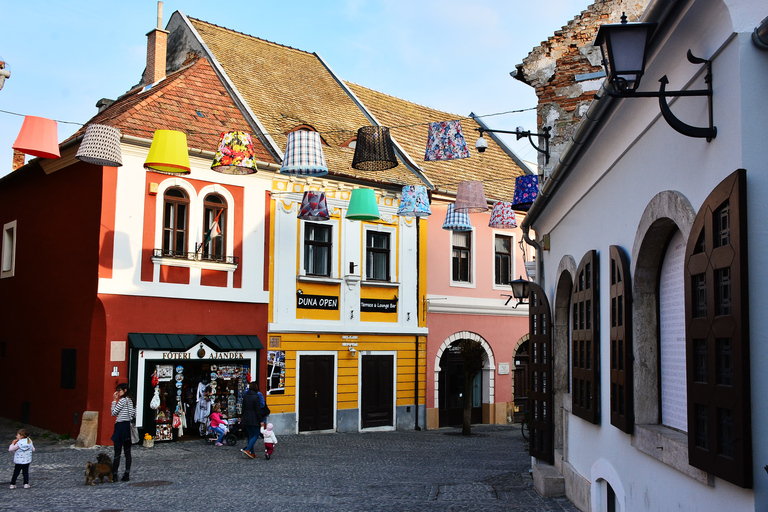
<point>124,411</point>
<point>253,401</point>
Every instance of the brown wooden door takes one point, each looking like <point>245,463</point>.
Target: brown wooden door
<point>315,393</point>
<point>540,376</point>
<point>377,400</point>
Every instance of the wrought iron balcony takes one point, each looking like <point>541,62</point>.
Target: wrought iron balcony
<point>195,256</point>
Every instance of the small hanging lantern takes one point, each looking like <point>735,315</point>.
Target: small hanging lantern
<point>526,190</point>
<point>101,146</point>
<point>502,216</point>
<point>38,137</point>
<point>168,153</point>
<point>314,207</point>
<point>456,221</point>
<point>446,141</point>
<point>470,197</point>
<point>374,150</point>
<point>235,154</point>
<point>362,205</point>
<point>304,154</point>
<point>414,202</point>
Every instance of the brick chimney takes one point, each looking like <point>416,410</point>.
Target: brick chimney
<point>157,41</point>
<point>18,159</point>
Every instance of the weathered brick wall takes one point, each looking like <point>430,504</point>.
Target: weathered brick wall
<point>552,67</point>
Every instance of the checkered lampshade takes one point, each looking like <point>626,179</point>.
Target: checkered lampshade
<point>502,216</point>
<point>235,154</point>
<point>304,154</point>
<point>414,202</point>
<point>374,150</point>
<point>456,221</point>
<point>101,146</point>
<point>470,197</point>
<point>526,190</point>
<point>445,141</point>
<point>314,206</point>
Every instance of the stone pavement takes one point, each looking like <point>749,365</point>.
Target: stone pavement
<point>438,470</point>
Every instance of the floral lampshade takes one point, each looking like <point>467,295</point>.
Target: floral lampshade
<point>101,146</point>
<point>304,154</point>
<point>314,206</point>
<point>502,216</point>
<point>169,153</point>
<point>456,221</point>
<point>363,205</point>
<point>235,154</point>
<point>374,150</point>
<point>526,190</point>
<point>446,141</point>
<point>414,202</point>
<point>470,197</point>
<point>38,137</point>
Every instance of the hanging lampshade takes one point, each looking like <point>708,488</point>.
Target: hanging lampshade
<point>235,154</point>
<point>445,141</point>
<point>456,221</point>
<point>314,206</point>
<point>470,197</point>
<point>374,150</point>
<point>168,153</point>
<point>362,205</point>
<point>38,137</point>
<point>101,146</point>
<point>502,216</point>
<point>414,202</point>
<point>526,190</point>
<point>304,154</point>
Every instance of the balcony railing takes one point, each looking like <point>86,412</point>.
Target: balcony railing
<point>195,256</point>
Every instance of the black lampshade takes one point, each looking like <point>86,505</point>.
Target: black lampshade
<point>374,150</point>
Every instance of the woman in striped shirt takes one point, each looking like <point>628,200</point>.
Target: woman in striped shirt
<point>124,411</point>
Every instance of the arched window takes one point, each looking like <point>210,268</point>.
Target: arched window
<point>175,223</point>
<point>214,228</point>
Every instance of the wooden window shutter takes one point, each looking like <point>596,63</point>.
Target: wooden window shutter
<point>540,376</point>
<point>622,403</point>
<point>717,335</point>
<point>585,340</point>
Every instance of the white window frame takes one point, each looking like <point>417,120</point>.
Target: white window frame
<point>512,258</point>
<point>9,250</point>
<point>393,248</point>
<point>472,257</point>
<point>301,272</point>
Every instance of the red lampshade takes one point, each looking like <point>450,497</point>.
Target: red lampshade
<point>38,137</point>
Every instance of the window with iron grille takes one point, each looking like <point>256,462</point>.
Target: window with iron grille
<point>377,254</point>
<point>461,257</point>
<point>585,366</point>
<point>503,259</point>
<point>717,335</point>
<point>214,228</point>
<point>622,403</point>
<point>175,223</point>
<point>317,249</point>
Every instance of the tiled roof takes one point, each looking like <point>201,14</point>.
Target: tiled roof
<point>409,122</point>
<point>174,103</point>
<point>286,88</point>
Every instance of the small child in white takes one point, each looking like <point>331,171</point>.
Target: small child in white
<point>269,440</point>
<point>22,449</point>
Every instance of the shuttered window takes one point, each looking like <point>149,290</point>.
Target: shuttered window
<point>585,316</point>
<point>622,413</point>
<point>717,335</point>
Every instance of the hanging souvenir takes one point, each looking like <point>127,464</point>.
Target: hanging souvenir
<point>176,421</point>
<point>155,402</point>
<point>154,379</point>
<point>179,369</point>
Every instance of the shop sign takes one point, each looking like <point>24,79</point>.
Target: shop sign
<point>378,306</point>
<point>305,301</point>
<point>212,355</point>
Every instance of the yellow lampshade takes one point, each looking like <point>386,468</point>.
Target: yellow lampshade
<point>168,153</point>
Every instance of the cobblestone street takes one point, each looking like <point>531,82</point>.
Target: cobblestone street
<point>403,470</point>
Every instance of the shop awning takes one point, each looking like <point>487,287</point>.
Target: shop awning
<point>183,342</point>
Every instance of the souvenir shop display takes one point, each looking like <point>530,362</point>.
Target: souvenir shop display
<point>275,372</point>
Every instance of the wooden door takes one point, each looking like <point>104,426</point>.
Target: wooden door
<point>377,395</point>
<point>315,393</point>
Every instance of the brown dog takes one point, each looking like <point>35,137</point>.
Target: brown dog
<point>103,458</point>
<point>94,471</point>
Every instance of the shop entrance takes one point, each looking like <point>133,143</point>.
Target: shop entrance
<point>187,390</point>
<point>315,393</point>
<point>451,390</point>
<point>377,394</point>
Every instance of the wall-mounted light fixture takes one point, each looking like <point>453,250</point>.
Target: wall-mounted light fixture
<point>520,288</point>
<point>299,292</point>
<point>481,145</point>
<point>624,46</point>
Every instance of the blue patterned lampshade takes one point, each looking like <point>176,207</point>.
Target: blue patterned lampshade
<point>456,221</point>
<point>414,202</point>
<point>314,206</point>
<point>445,141</point>
<point>502,216</point>
<point>304,154</point>
<point>526,190</point>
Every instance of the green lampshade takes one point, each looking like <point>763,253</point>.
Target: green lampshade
<point>362,205</point>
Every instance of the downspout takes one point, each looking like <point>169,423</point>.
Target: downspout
<point>416,337</point>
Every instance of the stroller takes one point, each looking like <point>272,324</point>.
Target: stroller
<point>234,431</point>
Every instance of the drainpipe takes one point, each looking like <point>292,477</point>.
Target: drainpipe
<point>416,338</point>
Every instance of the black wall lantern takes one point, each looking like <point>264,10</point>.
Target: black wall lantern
<point>624,47</point>
<point>520,288</point>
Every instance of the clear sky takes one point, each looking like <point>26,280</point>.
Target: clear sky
<point>451,55</point>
